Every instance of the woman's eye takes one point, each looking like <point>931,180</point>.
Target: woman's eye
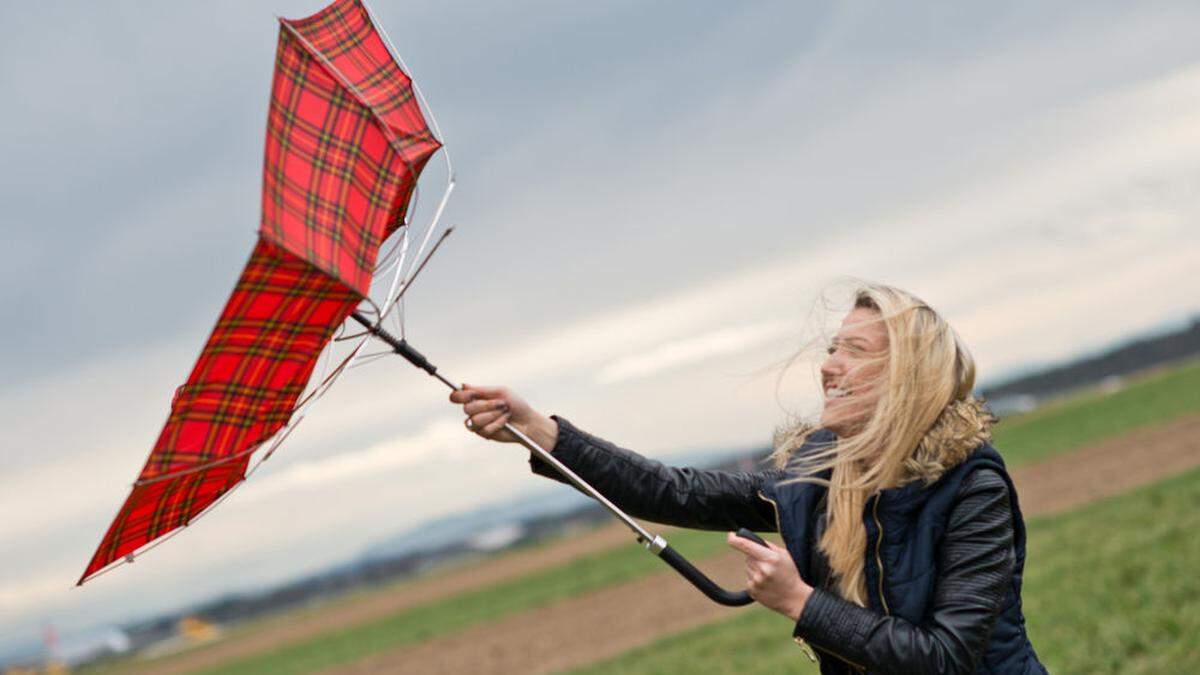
<point>830,350</point>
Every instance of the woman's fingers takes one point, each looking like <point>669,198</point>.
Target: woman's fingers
<point>488,409</point>
<point>750,548</point>
<point>470,392</point>
<point>493,427</point>
<point>480,409</point>
<point>479,399</point>
<point>485,392</point>
<point>478,406</point>
<point>482,419</point>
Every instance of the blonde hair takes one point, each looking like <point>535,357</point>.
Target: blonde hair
<point>925,368</point>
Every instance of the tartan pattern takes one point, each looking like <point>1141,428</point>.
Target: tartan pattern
<point>242,390</point>
<point>343,34</point>
<point>335,183</point>
<point>338,173</point>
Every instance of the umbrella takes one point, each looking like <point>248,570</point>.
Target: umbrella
<point>346,143</point>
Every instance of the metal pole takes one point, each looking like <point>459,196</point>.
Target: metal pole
<point>653,543</point>
<point>417,359</point>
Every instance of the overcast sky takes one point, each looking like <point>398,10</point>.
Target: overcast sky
<point>650,197</point>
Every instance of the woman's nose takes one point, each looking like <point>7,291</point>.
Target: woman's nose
<point>830,367</point>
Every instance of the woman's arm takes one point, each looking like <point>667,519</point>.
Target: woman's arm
<point>701,499</point>
<point>975,564</point>
<point>645,488</point>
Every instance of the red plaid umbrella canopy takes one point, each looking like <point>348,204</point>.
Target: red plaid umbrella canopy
<point>346,141</point>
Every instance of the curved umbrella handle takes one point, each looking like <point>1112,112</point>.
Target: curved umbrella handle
<point>701,581</point>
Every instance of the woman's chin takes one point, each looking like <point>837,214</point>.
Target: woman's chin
<point>842,425</point>
<point>845,417</point>
<point>831,422</point>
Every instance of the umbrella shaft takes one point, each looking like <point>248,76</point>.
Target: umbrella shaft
<point>652,542</point>
<point>401,347</point>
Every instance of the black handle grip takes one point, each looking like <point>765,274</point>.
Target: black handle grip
<point>701,581</point>
<point>398,345</point>
<point>747,534</point>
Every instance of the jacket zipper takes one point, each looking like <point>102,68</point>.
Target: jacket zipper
<point>779,528</point>
<point>878,554</point>
<point>808,649</point>
<point>775,507</point>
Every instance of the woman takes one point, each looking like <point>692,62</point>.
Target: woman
<point>904,542</point>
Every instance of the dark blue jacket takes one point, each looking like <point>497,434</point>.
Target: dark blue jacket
<point>905,527</point>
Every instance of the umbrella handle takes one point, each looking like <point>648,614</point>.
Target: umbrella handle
<point>653,543</point>
<point>701,581</point>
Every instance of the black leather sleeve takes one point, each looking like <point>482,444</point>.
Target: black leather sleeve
<point>975,564</point>
<point>647,489</point>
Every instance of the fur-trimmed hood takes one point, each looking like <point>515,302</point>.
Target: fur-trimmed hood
<point>962,426</point>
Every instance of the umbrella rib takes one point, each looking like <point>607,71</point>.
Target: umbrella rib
<point>437,216</point>
<point>399,267</point>
<point>409,282</point>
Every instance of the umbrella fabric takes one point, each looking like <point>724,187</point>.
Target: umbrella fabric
<point>345,144</point>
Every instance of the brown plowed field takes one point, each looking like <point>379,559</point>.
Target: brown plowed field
<point>598,625</point>
<point>305,624</point>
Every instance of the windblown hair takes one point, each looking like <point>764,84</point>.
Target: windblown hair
<point>926,372</point>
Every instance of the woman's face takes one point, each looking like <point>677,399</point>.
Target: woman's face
<point>851,374</point>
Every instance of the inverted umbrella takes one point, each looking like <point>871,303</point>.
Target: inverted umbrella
<point>346,142</point>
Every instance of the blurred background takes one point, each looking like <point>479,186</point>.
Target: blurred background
<point>652,199</point>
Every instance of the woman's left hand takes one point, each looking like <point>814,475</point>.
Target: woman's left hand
<point>772,578</point>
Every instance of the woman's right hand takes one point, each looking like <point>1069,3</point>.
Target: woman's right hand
<point>488,409</point>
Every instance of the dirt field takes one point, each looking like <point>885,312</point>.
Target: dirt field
<point>302,625</point>
<point>602,624</point>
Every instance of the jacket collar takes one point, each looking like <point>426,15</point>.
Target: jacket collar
<point>962,427</point>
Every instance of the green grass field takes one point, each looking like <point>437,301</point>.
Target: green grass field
<point>1059,427</point>
<point>1093,416</point>
<point>424,621</point>
<point>1109,588</point>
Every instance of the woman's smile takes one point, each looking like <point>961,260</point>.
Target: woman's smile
<point>852,370</point>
